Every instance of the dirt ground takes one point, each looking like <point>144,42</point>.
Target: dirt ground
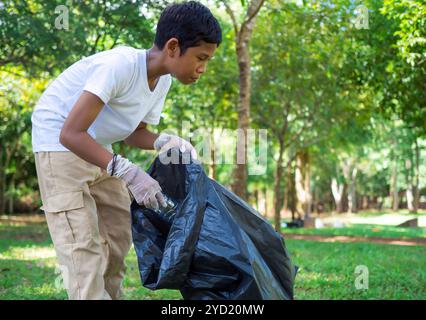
<point>39,219</point>
<point>324,238</point>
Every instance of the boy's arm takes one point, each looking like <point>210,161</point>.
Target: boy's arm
<point>142,138</point>
<point>145,139</point>
<point>74,134</point>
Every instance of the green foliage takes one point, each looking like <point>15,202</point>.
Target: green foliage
<point>31,34</point>
<point>17,169</point>
<point>346,95</point>
<point>395,55</point>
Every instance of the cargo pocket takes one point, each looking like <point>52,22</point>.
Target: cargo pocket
<point>64,201</point>
<point>58,208</point>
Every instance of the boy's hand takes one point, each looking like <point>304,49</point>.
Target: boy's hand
<point>144,188</point>
<point>166,141</point>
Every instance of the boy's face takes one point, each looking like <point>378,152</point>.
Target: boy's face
<point>189,67</point>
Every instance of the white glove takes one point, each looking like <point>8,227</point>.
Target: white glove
<point>166,141</point>
<point>144,188</point>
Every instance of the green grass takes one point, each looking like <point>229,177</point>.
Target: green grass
<point>402,212</point>
<point>28,268</point>
<point>363,230</point>
<point>327,270</point>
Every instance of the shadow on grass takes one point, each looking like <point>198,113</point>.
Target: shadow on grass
<point>29,280</point>
<point>328,270</point>
<point>23,236</point>
<point>28,268</point>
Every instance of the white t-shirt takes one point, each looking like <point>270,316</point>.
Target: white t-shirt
<point>119,78</point>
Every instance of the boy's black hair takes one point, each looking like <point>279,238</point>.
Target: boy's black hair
<point>189,22</point>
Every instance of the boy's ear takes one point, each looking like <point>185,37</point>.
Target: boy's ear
<point>172,47</point>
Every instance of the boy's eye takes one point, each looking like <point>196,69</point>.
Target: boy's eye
<point>204,58</point>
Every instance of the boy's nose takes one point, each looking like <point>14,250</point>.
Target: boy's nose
<point>201,69</point>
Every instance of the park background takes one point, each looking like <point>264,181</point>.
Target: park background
<point>340,87</point>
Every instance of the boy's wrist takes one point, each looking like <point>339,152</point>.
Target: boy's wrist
<point>161,140</point>
<point>118,166</point>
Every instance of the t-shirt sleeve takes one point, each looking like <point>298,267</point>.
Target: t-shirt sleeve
<point>153,116</point>
<point>108,76</point>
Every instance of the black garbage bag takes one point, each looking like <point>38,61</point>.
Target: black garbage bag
<point>212,245</point>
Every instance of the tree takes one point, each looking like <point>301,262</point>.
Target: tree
<point>16,161</point>
<point>243,32</point>
<point>297,94</point>
<point>405,93</point>
<point>30,37</point>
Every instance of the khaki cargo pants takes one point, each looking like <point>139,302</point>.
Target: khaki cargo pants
<point>88,215</point>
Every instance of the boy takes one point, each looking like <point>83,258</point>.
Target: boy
<point>107,97</point>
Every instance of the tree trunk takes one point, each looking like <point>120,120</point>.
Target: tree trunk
<point>417,177</point>
<point>265,196</point>
<point>364,203</point>
<point>298,183</point>
<point>277,188</point>
<point>8,154</point>
<point>213,167</point>
<point>352,192</point>
<point>292,198</point>
<point>337,191</point>
<point>302,183</point>
<point>11,196</point>
<point>409,180</point>
<point>242,36</point>
<point>287,187</point>
<point>316,199</point>
<point>307,178</point>
<point>394,182</point>
<point>2,181</point>
<point>350,172</point>
<point>240,174</point>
